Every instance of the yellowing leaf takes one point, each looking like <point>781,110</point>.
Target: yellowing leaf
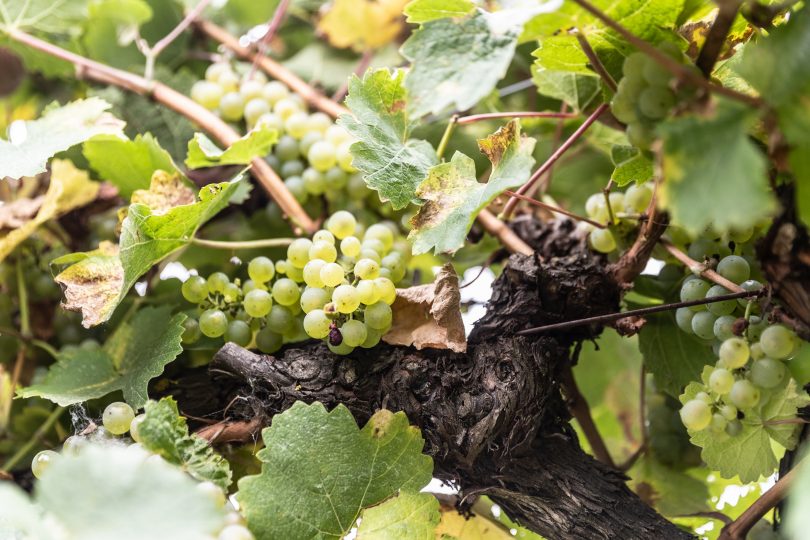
<point>455,525</point>
<point>362,24</point>
<point>93,283</point>
<point>69,189</point>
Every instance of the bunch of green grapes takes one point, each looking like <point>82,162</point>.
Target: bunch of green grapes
<point>644,95</point>
<point>619,212</point>
<point>338,286</point>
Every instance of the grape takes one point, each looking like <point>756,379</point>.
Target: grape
<point>280,320</point>
<point>374,245</point>
<point>324,236</point>
<point>723,327</point>
<point>194,289</point>
<point>734,428</point>
<point>217,282</point>
<point>296,125</point>
<point>322,156</point>
<point>354,333</point>
<point>286,148</point>
<point>215,71</point>
<point>656,75</point>
<point>117,417</point>
<point>734,353</point>
<point>346,299</point>
<point>749,285</point>
<point>721,380</point>
<point>235,532</point>
<point>341,224</point>
<point>134,426</point>
<point>314,181</point>
<point>695,289</point>
<point>298,252</point>
<point>312,273</point>
<point>316,324</point>
<point>257,303</point>
<point>213,323</point>
<point>703,324</point>
<point>306,143</point>
<point>254,110</point>
<point>777,342</point>
<point>206,94</point>
<point>741,235</point>
<point>344,157</point>
<point>323,251</point>
<point>285,108</point>
<point>696,415</point>
<point>261,270</point>
<point>336,179</point>
<point>286,292</point>
<point>332,274</point>
<point>274,91</point>
<point>596,207</point>
<point>368,292</point>
<point>229,81</point>
<point>341,349</point>
<point>268,341</point>
<point>602,240</point>
<point>640,136</point>
<point>314,298</point>
<point>637,198</point>
<point>251,90</point>
<point>270,121</point>
<point>633,65</point>
<point>42,461</point>
<point>726,307</point>
<point>295,274</point>
<point>191,331</point>
<point>729,412</point>
<point>756,351</point>
<point>387,290</point>
<point>231,106</point>
<point>683,317</point>
<point>623,109</point>
<point>382,233</point>
<point>292,168</point>
<point>768,373</point>
<point>238,332</point>
<point>370,254</point>
<point>367,269</point>
<point>378,316</point>
<point>372,338</point>
<point>734,268</point>
<point>655,102</point>
<point>74,444</point>
<point>356,188</point>
<point>744,395</point>
<point>231,292</point>
<point>718,423</point>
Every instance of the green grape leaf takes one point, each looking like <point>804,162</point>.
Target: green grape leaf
<point>480,56</point>
<point>410,515</point>
<point>673,492</point>
<point>128,165</point>
<point>562,53</point>
<point>672,356</point>
<point>714,173</point>
<point>391,162</point>
<point>422,11</point>
<point>157,223</point>
<point>797,519</point>
<point>110,31</point>
<point>109,492</point>
<point>631,165</point>
<point>46,16</point>
<point>165,433</point>
<point>454,197</point>
<point>750,454</point>
<point>577,90</point>
<point>36,141</point>
<point>136,352</point>
<point>320,470</point>
<point>69,188</point>
<point>202,152</point>
<point>249,12</point>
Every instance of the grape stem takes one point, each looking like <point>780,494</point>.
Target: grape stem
<point>272,28</point>
<point>247,244</point>
<point>707,273</point>
<point>555,209</point>
<point>611,317</point>
<point>545,182</point>
<point>448,132</point>
<point>181,104</point>
<point>596,63</point>
<point>34,440</point>
<point>521,114</point>
<point>580,409</point>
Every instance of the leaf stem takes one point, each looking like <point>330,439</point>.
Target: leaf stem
<point>247,244</point>
<point>448,132</point>
<point>151,53</point>
<point>520,114</point>
<point>596,63</point>
<point>272,28</point>
<point>22,296</point>
<point>41,432</point>
<point>544,183</point>
<point>693,265</point>
<point>555,209</point>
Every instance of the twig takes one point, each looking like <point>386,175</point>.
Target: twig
<point>716,38</point>
<point>500,230</point>
<point>642,420</point>
<point>521,114</point>
<point>634,260</point>
<point>26,448</point>
<point>448,132</point>
<point>596,63</point>
<point>514,88</point>
<point>738,529</point>
<point>555,209</point>
<point>665,61</point>
<point>151,53</point>
<point>272,28</point>
<point>510,206</point>
<point>247,244</point>
<point>545,182</point>
<point>582,412</point>
<point>22,296</point>
<point>359,69</point>
<point>719,516</point>
<point>181,104</point>
<point>637,312</point>
<point>693,265</point>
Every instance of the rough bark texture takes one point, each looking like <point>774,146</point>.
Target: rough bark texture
<point>494,418</point>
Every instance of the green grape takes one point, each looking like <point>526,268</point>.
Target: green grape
<point>718,423</point>
<point>655,102</point>
<point>229,81</point>
<point>723,327</point>
<point>683,318</point>
<point>238,332</point>
<point>369,293</point>
<point>312,273</point>
<point>372,338</point>
<point>319,122</point>
<point>634,63</point>
<point>637,198</point>
<point>213,323</point>
<point>235,532</point>
<point>378,316</point>
<point>217,282</point>
<point>602,240</point>
<point>336,134</point>
<point>285,108</point>
<point>42,461</point>
<point>250,285</point>
<point>741,235</point>
<point>354,333</point>
<point>292,168</point>
<point>296,186</point>
<point>756,351</point>
<point>346,299</point>
<point>280,319</point>
<point>344,157</point>
<point>744,395</point>
<point>382,233</point>
<point>314,181</point>
<point>749,285</point>
<point>231,292</point>
<point>734,353</point>
<point>134,427</point>
<point>254,110</point>
<point>314,298</point>
<point>295,274</point>
<point>370,254</point>
<point>696,415</point>
<point>332,274</point>
<point>274,91</point>
<point>298,252</point>
<point>621,106</point>
<point>268,341</point>
<point>206,94</point>
<point>323,251</point>
<point>296,125</point>
<point>231,106</point>
<point>317,324</point>
<point>729,412</point>
<point>342,224</point>
<point>702,248</point>
<point>768,373</point>
<point>117,417</point>
<point>777,342</point>
<point>324,236</point>
<point>251,90</point>
<point>261,269</point>
<point>215,71</point>
<point>703,324</point>
<point>734,268</point>
<point>640,135</point>
<point>343,349</point>
<point>695,289</point>
<point>721,380</point>
<point>656,75</point>
<point>307,141</point>
<point>322,156</point>
<point>350,246</point>
<point>191,331</point>
<point>257,303</point>
<point>194,289</point>
<point>270,121</point>
<point>356,188</point>
<point>374,245</point>
<point>286,292</point>
<point>366,269</point>
<point>286,148</point>
<point>386,289</point>
<point>74,444</point>
<point>616,200</point>
<point>336,179</point>
<point>756,325</point>
<point>726,307</point>
<point>734,428</point>
<point>596,208</point>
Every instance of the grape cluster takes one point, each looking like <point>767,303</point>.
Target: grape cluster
<point>618,211</point>
<point>338,286</point>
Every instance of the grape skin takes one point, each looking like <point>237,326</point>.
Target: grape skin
<point>117,417</point>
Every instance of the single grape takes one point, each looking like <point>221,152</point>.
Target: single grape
<point>729,412</point>
<point>307,141</point>
<point>734,428</point>
<point>734,268</point>
<point>314,298</point>
<point>74,444</point>
<point>382,233</point>
<point>602,240</point>
<point>294,273</point>
<point>231,106</point>
<point>696,415</point>
<point>723,327</point>
<point>741,235</point>
<point>134,426</point>
<point>314,181</point>
<point>194,289</point>
<point>214,71</point>
<point>261,269</point>
<point>268,341</point>
<point>683,318</point>
<point>336,134</point>
<point>346,299</point>
<point>372,338</point>
<point>370,254</point>
<point>42,461</point>
<point>756,351</point>
<point>213,323</point>
<point>117,417</point>
<point>749,285</point>
<point>254,110</point>
<point>725,307</point>
<point>298,252</point>
<point>238,332</point>
<point>374,245</point>
<point>296,124</point>
<point>356,188</point>
<point>332,274</point>
<point>655,102</point>
<point>191,331</point>
<point>336,179</point>
<point>734,353</point>
<point>633,65</point>
<point>768,373</point>
<point>322,155</point>
<point>217,282</point>
<point>378,316</point>
<point>286,292</point>
<point>656,75</point>
<point>637,198</point>
<point>596,208</point>
<point>324,236</point>
<point>386,289</point>
<point>274,91</point>
<point>312,273</point>
<point>286,148</point>
<point>777,342</point>
<point>366,269</point>
<point>342,224</point>
<point>285,108</point>
<point>341,349</point>
<point>354,333</point>
<point>270,121</point>
<point>252,89</point>
<point>292,168</point>
<point>316,324</point>
<point>323,251</point>
<point>639,135</point>
<point>257,303</point>
<point>235,532</point>
<point>721,381</point>
<point>695,289</point>
<point>718,423</point>
<point>229,81</point>
<point>231,292</point>
<point>744,395</point>
<point>703,324</point>
<point>280,319</point>
<point>207,94</point>
<point>344,157</point>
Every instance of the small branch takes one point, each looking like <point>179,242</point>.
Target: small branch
<point>247,244</point>
<point>272,28</point>
<point>500,230</point>
<point>510,206</point>
<point>719,516</point>
<point>596,63</point>
<point>543,185</point>
<point>642,420</point>
<point>448,132</point>
<point>555,209</point>
<point>582,412</point>
<point>359,69</point>
<point>634,260</point>
<point>693,265</point>
<point>738,529</point>
<point>637,312</point>
<point>231,431</point>
<point>152,53</point>
<point>522,114</point>
<point>716,38</point>
<point>34,440</point>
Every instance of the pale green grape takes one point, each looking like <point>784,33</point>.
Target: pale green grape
<point>633,65</point>
<point>117,417</point>
<point>777,342</point>
<point>756,325</point>
<point>231,106</point>
<point>346,299</point>
<point>285,108</point>
<point>350,246</point>
<point>296,125</point>
<point>734,428</point>
<point>274,91</point>
<point>261,269</point>
<point>354,333</point>
<point>268,341</point>
<point>621,106</point>
<point>134,426</point>
<point>741,235</point>
<point>695,289</point>
<point>336,134</point>
<point>294,273</point>
<point>729,412</point>
<point>378,316</point>
<point>298,252</point>
<point>217,282</point>
<point>723,327</point>
<point>602,240</point>
<point>374,245</point>
<point>332,274</point>
<point>344,157</point>
<point>252,90</point>
<point>656,75</point>
<point>734,268</point>
<point>756,351</point>
<point>768,373</point>
<point>342,224</point>
<point>213,323</point>
<point>596,208</point>
<point>744,395</point>
<point>342,349</point>
<point>696,415</point>
<point>286,148</point>
<point>749,285</point>
<point>255,109</point>
<point>250,285</point>
<point>323,251</point>
<point>703,324</point>
<point>380,232</point>
<point>637,198</point>
<point>194,289</point>
<point>42,461</point>
<point>726,307</point>
<point>366,268</point>
<point>324,236</point>
<point>286,292</point>
<point>312,273</point>
<point>718,423</point>
<point>372,338</point>
<point>655,102</point>
<point>238,332</point>
<point>356,188</point>
<point>214,71</point>
<point>229,81</point>
<point>683,318</point>
<point>734,353</point>
<point>370,254</point>
<point>206,94</point>
<point>191,331</point>
<point>721,381</point>
<point>369,293</point>
<point>235,532</point>
<point>314,298</point>
<point>314,181</point>
<point>307,141</point>
<point>640,135</point>
<point>322,155</point>
<point>316,324</point>
<point>336,179</point>
<point>271,121</point>
<point>386,289</point>
<point>280,319</point>
<point>257,303</point>
<point>74,444</point>
<point>231,292</point>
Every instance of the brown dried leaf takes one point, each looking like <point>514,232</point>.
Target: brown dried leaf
<point>429,316</point>
<point>16,213</point>
<point>166,191</point>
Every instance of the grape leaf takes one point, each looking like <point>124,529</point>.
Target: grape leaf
<point>672,356</point>
<point>797,519</point>
<point>455,526</point>
<point>408,515</point>
<point>454,197</point>
<point>109,492</point>
<point>362,24</point>
<point>202,152</point>
<point>136,352</point>
<point>320,470</point>
<point>97,281</point>
<point>577,90</point>
<point>34,142</point>
<point>750,454</point>
<point>480,57</point>
<point>422,11</point>
<point>129,165</point>
<point>110,31</point>
<point>631,165</point>
<point>249,12</point>
<point>165,433</point>
<point>714,173</point>
<point>391,162</point>
<point>672,492</point>
<point>69,188</point>
<point>47,16</point>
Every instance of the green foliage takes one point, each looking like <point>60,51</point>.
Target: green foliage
<point>408,515</point>
<point>202,152</point>
<point>422,11</point>
<point>676,493</point>
<point>576,89</point>
<point>320,470</point>
<point>632,165</point>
